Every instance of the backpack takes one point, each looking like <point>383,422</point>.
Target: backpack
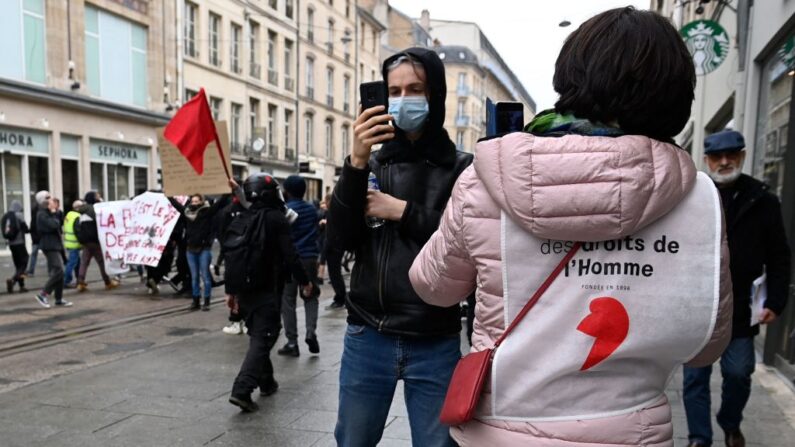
<point>10,225</point>
<point>86,229</point>
<point>242,245</point>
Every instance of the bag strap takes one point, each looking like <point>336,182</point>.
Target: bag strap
<point>534,299</point>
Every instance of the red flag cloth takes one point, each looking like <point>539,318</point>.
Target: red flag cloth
<point>192,129</point>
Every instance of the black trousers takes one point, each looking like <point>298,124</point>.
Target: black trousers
<point>19,254</point>
<point>158,272</point>
<point>334,267</point>
<point>262,314</point>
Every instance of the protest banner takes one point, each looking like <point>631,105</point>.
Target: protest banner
<point>153,220</point>
<point>180,178</point>
<point>134,232</point>
<point>114,224</point>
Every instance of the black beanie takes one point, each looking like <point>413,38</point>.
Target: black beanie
<point>295,185</point>
<point>91,197</point>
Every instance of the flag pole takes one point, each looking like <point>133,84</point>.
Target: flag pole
<point>221,152</point>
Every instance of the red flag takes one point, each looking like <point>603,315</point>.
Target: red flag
<point>192,129</point>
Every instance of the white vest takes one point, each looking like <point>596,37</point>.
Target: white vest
<point>609,333</point>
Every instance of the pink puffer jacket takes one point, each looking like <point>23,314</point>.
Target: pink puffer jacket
<point>465,253</point>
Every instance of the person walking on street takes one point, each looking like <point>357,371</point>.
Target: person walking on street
<point>199,240</point>
<point>259,253</point>
<point>333,257</point>
<point>392,334</point>
<point>14,231</point>
<point>88,236</point>
<point>34,235</point>
<point>50,243</point>
<point>304,235</point>
<point>580,339</point>
<point>759,249</point>
<point>71,244</point>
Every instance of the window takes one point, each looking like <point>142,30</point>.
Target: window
<point>362,28</point>
<point>330,41</point>
<point>329,139</point>
<point>346,45</point>
<point>309,123</point>
<point>254,67</point>
<point>460,110</point>
<point>191,11</point>
<point>189,94</point>
<point>116,67</point>
<point>215,31</point>
<point>374,40</point>
<point>459,140</point>
<point>236,114</point>
<point>235,48</point>
<point>330,86</point>
<point>288,64</point>
<point>346,93</point>
<point>272,110</point>
<point>22,41</point>
<point>462,80</point>
<point>372,75</point>
<point>273,75</point>
<point>253,111</point>
<point>215,107</point>
<point>288,8</point>
<point>310,78</point>
<point>274,4</point>
<point>346,137</point>
<point>310,25</point>
<point>288,119</point>
<point>348,8</point>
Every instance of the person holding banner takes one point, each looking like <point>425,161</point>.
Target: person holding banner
<point>88,235</point>
<point>199,216</point>
<point>594,244</point>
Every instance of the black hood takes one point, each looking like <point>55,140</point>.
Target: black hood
<point>435,144</point>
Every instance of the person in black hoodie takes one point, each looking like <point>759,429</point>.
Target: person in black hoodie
<point>199,236</point>
<point>388,324</point>
<point>51,244</point>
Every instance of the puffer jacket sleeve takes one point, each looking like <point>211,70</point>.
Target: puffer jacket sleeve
<point>443,273</point>
<point>722,334</point>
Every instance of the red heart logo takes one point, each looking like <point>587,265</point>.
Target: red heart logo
<point>608,323</point>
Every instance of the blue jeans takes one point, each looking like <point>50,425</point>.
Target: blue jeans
<point>372,364</point>
<point>34,254</point>
<point>72,263</point>
<point>736,365</point>
<point>199,263</point>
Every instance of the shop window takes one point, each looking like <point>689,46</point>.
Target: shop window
<point>773,119</point>
<point>118,182</point>
<point>115,58</point>
<point>71,183</point>
<point>141,180</point>
<point>38,175</point>
<point>11,186</point>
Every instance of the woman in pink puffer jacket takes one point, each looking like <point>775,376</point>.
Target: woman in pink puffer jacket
<point>649,289</point>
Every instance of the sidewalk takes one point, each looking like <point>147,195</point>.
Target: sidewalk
<point>170,388</point>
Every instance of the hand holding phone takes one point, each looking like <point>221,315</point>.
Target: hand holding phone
<point>372,125</point>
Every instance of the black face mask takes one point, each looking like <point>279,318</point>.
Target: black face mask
<point>193,207</point>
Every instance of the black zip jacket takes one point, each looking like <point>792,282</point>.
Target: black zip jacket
<point>423,174</point>
<point>757,244</point>
<point>199,232</point>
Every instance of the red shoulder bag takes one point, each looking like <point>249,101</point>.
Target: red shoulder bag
<point>470,373</point>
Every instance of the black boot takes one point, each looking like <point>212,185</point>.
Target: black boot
<point>206,305</point>
<point>268,386</point>
<point>244,402</point>
<point>195,305</point>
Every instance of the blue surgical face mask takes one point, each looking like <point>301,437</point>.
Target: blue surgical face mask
<point>410,112</point>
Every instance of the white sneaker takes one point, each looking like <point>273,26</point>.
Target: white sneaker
<point>233,329</point>
<point>245,328</point>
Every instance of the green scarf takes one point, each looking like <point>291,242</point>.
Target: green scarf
<point>551,123</point>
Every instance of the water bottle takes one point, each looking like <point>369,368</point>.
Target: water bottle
<point>372,185</point>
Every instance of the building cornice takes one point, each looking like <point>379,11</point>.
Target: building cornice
<point>53,96</point>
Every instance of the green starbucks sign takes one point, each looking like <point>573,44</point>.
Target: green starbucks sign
<point>708,44</point>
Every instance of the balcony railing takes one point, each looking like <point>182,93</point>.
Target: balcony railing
<point>255,70</point>
<point>273,150</point>
<point>236,68</point>
<point>273,77</point>
<point>347,56</point>
<point>330,47</point>
<point>463,90</point>
<point>310,92</point>
<point>237,149</point>
<point>310,35</point>
<point>346,107</point>
<point>289,154</point>
<point>330,100</point>
<point>462,121</point>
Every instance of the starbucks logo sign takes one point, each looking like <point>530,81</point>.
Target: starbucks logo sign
<point>708,44</point>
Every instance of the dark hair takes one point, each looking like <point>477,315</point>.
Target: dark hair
<point>627,66</point>
<point>201,197</point>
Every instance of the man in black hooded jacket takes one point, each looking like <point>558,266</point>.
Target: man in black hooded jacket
<point>392,334</point>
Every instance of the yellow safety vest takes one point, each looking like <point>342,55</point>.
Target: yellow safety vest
<point>69,236</point>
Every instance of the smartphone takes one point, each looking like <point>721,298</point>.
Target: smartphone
<point>374,94</point>
<point>509,117</point>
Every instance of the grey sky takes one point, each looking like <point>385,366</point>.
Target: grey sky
<point>525,32</point>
